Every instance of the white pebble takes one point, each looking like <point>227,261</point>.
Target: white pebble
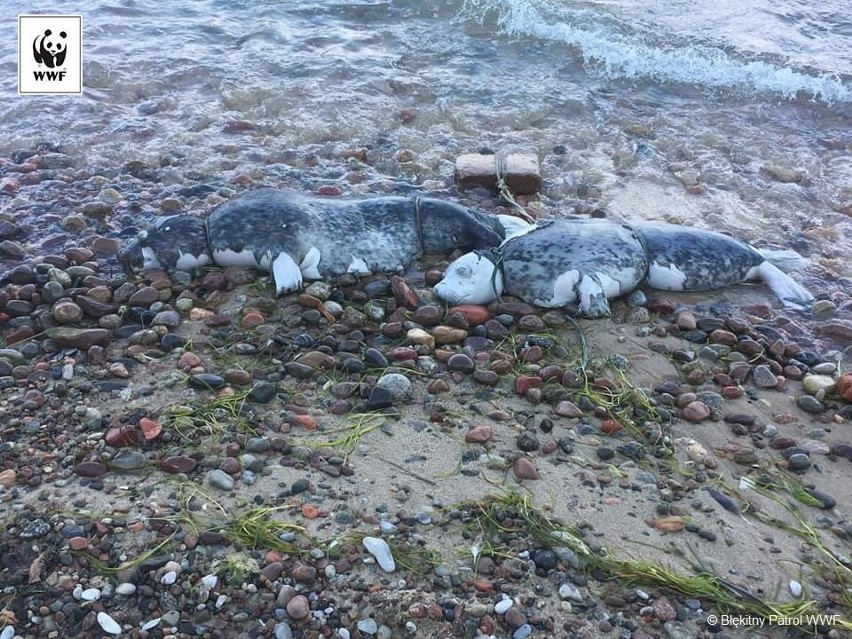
<point>8,632</point>
<point>796,589</point>
<point>108,624</point>
<point>209,581</point>
<point>368,626</point>
<point>381,551</point>
<point>343,633</point>
<point>90,594</point>
<point>125,589</point>
<point>410,627</point>
<point>221,600</point>
<point>148,625</point>
<point>502,606</point>
<point>169,578</point>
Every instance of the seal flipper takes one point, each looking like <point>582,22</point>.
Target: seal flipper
<point>790,292</point>
<point>592,299</point>
<point>310,264</point>
<point>285,274</point>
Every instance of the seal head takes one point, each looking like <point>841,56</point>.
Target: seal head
<point>474,278</point>
<point>176,242</point>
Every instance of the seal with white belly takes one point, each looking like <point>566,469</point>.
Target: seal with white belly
<point>588,262</point>
<point>298,236</point>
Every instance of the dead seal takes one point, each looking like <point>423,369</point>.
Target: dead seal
<point>298,236</point>
<point>588,262</point>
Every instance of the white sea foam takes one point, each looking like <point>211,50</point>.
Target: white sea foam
<point>613,49</point>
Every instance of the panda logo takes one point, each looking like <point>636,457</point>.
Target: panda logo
<point>48,50</point>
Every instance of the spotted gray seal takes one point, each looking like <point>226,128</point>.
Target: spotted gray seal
<point>298,236</point>
<point>588,262</point>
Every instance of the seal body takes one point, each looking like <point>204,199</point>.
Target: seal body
<point>298,236</point>
<point>560,262</point>
<point>689,259</point>
<point>590,261</point>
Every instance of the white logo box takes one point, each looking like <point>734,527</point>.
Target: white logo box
<point>50,54</point>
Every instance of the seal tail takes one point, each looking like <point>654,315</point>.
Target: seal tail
<point>790,292</point>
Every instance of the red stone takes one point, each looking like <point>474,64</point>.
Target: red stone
<point>303,421</point>
<point>238,126</point>
<point>696,412</point>
<point>403,294</point>
<point>178,464</point>
<point>121,437</point>
<point>475,315</point>
<point>90,469</point>
<point>78,543</point>
<point>479,434</point>
<point>150,429</point>
<point>400,353</point>
<point>524,383</point>
<point>524,468</point>
<point>330,190</point>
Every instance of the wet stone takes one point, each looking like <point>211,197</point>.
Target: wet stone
<point>206,381</point>
<point>129,461</point>
<point>764,377</point>
<point>379,398</point>
<point>810,404</point>
<point>461,363</point>
<point>527,441</point>
<point>485,377</point>
<point>220,480</point>
<point>374,357</point>
<point>178,464</point>
<point>67,312</point>
<point>262,393</point>
<point>34,529</point>
<point>398,385</point>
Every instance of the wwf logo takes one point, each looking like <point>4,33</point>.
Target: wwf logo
<point>49,49</point>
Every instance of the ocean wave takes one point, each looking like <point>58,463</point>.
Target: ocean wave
<point>621,52</point>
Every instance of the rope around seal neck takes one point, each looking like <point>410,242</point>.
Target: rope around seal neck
<point>418,224</point>
<point>503,188</point>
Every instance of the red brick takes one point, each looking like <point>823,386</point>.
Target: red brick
<point>523,173</point>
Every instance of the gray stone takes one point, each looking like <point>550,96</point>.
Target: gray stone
<point>220,479</point>
<point>398,385</point>
<point>809,404</point>
<point>368,626</point>
<point>764,377</point>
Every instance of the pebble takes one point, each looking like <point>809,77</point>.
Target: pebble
<point>567,409</point>
<point>298,607</point>
<point>503,605</point>
<point>764,377</point>
<point>381,551</point>
<point>522,632</point>
<point>221,480</point>
<point>368,626</point>
<point>696,412</point>
<point>399,386</point>
<point>108,624</point>
<point>524,468</point>
<point>569,591</point>
<point>478,434</point>
<point>813,384</point>
<point>809,404</point>
<point>461,363</point>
